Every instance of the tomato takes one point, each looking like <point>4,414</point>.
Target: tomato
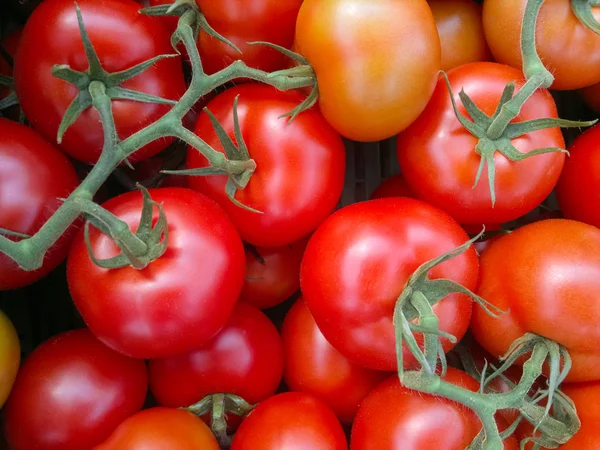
<point>357,263</point>
<point>438,159</point>
<point>272,274</point>
<point>10,356</point>
<point>546,275</point>
<point>572,55</point>
<point>33,176</point>
<point>578,189</point>
<point>169,21</point>
<point>461,32</point>
<point>394,417</point>
<point>394,186</point>
<point>376,63</point>
<point>313,366</point>
<point>52,36</point>
<point>291,420</point>
<point>300,166</point>
<point>159,429</point>
<point>71,393</point>
<point>243,21</point>
<point>180,300</point>
<point>591,96</point>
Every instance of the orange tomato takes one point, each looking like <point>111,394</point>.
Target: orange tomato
<point>10,356</point>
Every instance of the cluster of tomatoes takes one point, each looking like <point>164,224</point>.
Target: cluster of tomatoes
<point>231,303</point>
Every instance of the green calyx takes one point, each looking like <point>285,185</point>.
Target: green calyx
<point>584,12</point>
<point>11,99</point>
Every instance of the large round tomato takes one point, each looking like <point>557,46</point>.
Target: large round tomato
<point>357,263</point>
<point>52,36</point>
<point>290,420</point>
<point>546,275</point>
<point>160,429</point>
<point>300,165</point>
<point>376,62</point>
<point>245,359</point>
<point>438,159</point>
<point>71,393</point>
<point>33,176</point>
<point>180,300</point>
<point>567,48</point>
<point>313,366</point>
<point>578,189</point>
<point>10,356</point>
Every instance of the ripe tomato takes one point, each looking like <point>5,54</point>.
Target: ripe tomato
<point>33,175</point>
<point>461,32</point>
<point>179,301</point>
<point>71,393</point>
<point>591,96</point>
<point>394,186</point>
<point>272,274</point>
<point>10,356</point>
<point>52,36</point>
<point>578,189</point>
<point>572,55</point>
<point>313,366</point>
<point>376,63</point>
<point>547,275</point>
<point>438,159</point>
<point>160,429</point>
<point>243,21</point>
<point>300,166</point>
<point>290,420</point>
<point>357,263</point>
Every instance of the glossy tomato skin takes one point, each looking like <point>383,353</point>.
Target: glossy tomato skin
<point>546,275</point>
<point>300,166</point>
<point>160,429</point>
<point>394,186</point>
<point>357,263</point>
<point>387,53</point>
<point>438,160</point>
<point>572,55</point>
<point>10,356</point>
<point>290,421</point>
<point>245,358</point>
<point>313,366</point>
<point>71,393</point>
<point>180,300</point>
<point>578,189</point>
<point>52,36</point>
<point>33,176</point>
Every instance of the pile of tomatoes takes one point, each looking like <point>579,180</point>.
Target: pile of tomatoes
<point>221,297</point>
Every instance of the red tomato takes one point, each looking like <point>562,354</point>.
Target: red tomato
<point>394,186</point>
<point>438,159</point>
<point>71,393</point>
<point>591,96</point>
<point>169,22</point>
<point>578,189</point>
<point>272,274</point>
<point>313,366</point>
<point>52,36</point>
<point>179,301</point>
<point>161,429</point>
<point>33,176</point>
<point>10,356</point>
<point>290,421</point>
<point>547,275</point>
<point>357,263</point>
<point>300,166</point>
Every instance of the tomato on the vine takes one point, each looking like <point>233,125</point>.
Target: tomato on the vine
<point>394,186</point>
<point>10,356</point>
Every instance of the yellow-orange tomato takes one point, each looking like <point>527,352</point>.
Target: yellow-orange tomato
<point>10,356</point>
<point>461,32</point>
<point>567,48</point>
<point>376,62</point>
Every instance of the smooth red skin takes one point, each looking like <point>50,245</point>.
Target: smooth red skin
<point>169,22</point>
<point>269,284</point>
<point>394,417</point>
<point>438,159</point>
<point>313,366</point>
<point>245,358</point>
<point>71,393</point>
<point>300,166</point>
<point>161,429</point>
<point>578,189</point>
<point>546,275</point>
<point>33,175</point>
<point>52,36</point>
<point>357,263</point>
<point>394,186</point>
<point>243,21</point>
<point>290,421</point>
<point>180,300</point>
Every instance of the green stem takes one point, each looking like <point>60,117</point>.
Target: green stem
<point>218,421</point>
